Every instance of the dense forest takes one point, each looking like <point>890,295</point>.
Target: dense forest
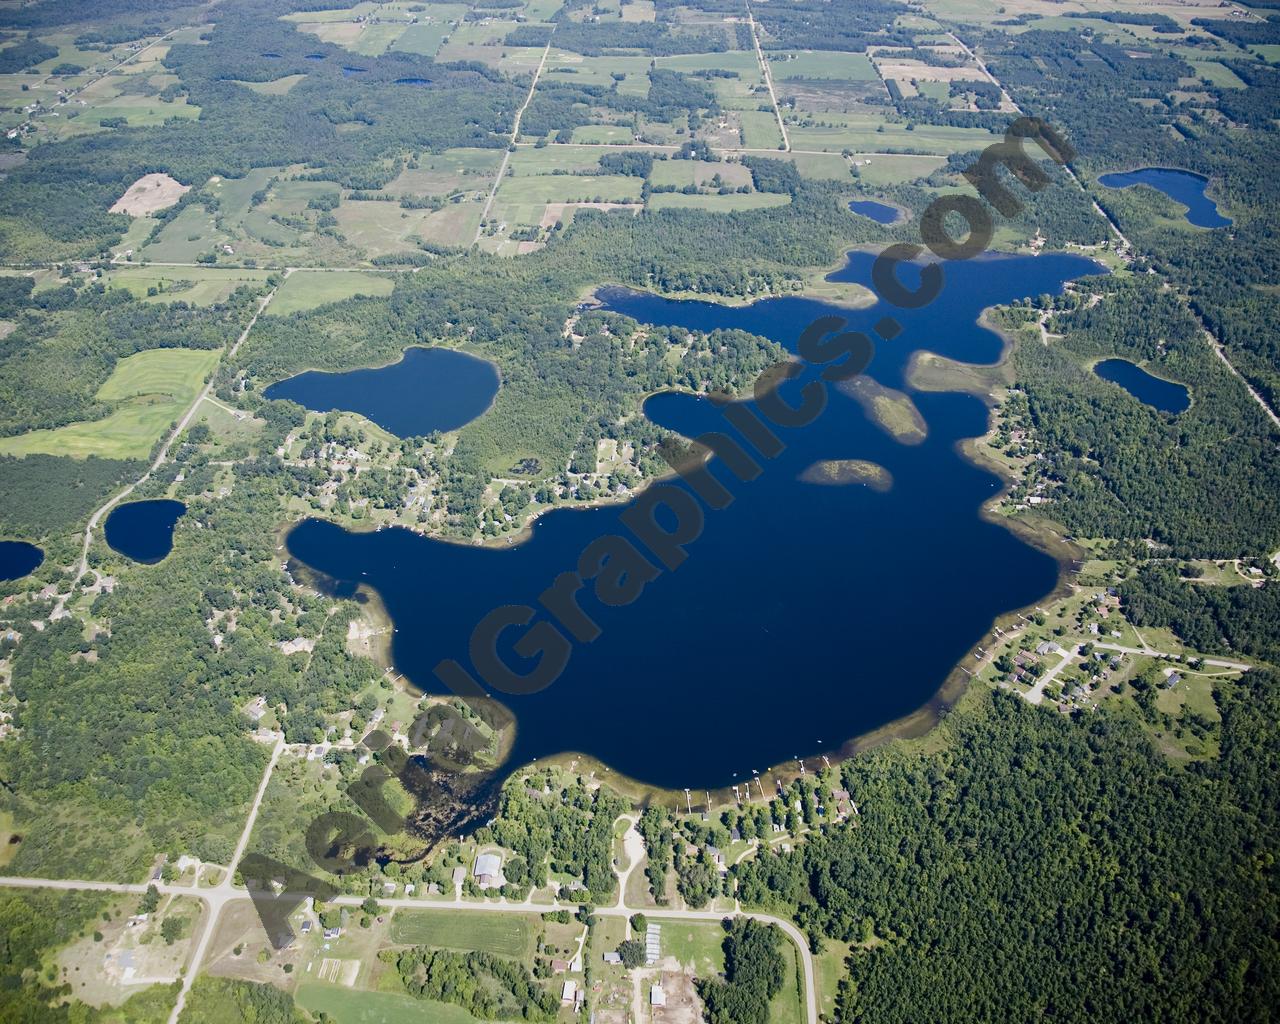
<point>1106,883</point>
<point>1122,469</point>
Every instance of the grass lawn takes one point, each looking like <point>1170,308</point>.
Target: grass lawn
<point>828,968</point>
<point>150,391</point>
<point>309,289</point>
<point>695,944</point>
<point>821,166</point>
<point>355,1006</point>
<point>504,934</point>
<point>787,1007</point>
<point>717,203</point>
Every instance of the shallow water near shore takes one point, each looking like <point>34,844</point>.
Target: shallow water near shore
<point>805,614</point>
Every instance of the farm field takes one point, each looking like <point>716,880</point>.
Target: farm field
<point>717,203</point>
<point>305,289</point>
<point>150,390</point>
<point>202,286</point>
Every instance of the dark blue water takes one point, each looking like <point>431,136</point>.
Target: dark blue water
<point>18,558</point>
<point>1164,395</point>
<point>413,81</point>
<point>143,530</point>
<point>347,72</point>
<point>313,56</point>
<point>878,212</point>
<point>804,615</point>
<point>1180,186</point>
<point>272,56</point>
<point>428,389</point>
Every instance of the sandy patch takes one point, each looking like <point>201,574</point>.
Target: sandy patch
<point>148,194</point>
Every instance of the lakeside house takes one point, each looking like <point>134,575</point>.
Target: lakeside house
<point>488,870</point>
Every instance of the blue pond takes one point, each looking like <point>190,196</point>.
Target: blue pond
<point>1180,186</point>
<point>878,212</point>
<point>18,558</point>
<point>313,56</point>
<point>272,56</point>
<point>143,530</point>
<point>347,72</point>
<point>413,81</point>
<point>429,389</point>
<point>804,615</point>
<point>1160,394</point>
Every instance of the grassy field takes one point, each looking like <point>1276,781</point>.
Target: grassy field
<point>892,169</point>
<point>309,289</point>
<point>698,172</point>
<point>695,944</point>
<point>760,130</point>
<point>848,67</point>
<point>504,934</point>
<point>200,286</point>
<point>828,967</point>
<point>787,1007</point>
<point>569,188</point>
<point>150,390</point>
<point>191,233</point>
<point>863,133</point>
<point>354,1006</point>
<point>423,39</point>
<point>717,203</point>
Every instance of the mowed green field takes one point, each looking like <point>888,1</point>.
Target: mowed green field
<point>504,934</point>
<point>307,289</point>
<point>355,1006</point>
<point>863,134</point>
<point>571,188</point>
<point>825,64</point>
<point>150,390</point>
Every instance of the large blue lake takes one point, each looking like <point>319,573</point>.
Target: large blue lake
<point>429,389</point>
<point>803,616</point>
<point>1180,186</point>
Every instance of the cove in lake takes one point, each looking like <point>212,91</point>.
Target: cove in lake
<point>804,615</point>
<point>18,558</point>
<point>1160,394</point>
<point>1180,186</point>
<point>143,530</point>
<point>428,389</point>
<point>878,212</point>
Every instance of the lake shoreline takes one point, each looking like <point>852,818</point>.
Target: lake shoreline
<point>1041,534</point>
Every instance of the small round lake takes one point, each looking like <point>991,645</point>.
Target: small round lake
<point>429,389</point>
<point>881,213</point>
<point>1180,186</point>
<point>1160,394</point>
<point>18,558</point>
<point>143,530</point>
